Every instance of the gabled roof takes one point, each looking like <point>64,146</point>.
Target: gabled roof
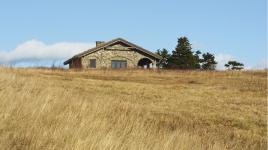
<point>92,50</point>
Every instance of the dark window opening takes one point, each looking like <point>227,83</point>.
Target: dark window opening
<point>92,63</point>
<point>116,64</point>
<point>144,63</point>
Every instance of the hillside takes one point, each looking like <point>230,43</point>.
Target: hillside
<point>132,109</point>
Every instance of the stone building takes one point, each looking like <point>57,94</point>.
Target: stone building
<point>117,53</point>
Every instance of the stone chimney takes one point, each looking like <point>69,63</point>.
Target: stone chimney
<point>99,43</point>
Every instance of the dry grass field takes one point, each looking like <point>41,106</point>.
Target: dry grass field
<point>132,109</point>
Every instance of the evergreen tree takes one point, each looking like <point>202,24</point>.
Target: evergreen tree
<point>182,57</point>
<point>208,62</point>
<point>165,55</point>
<point>197,59</point>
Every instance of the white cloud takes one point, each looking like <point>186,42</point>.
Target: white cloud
<point>222,59</point>
<point>36,52</point>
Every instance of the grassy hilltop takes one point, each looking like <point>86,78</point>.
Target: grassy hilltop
<point>132,109</point>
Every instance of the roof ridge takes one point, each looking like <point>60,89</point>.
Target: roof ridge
<point>109,43</point>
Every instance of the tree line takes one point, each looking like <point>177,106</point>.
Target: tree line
<point>183,57</point>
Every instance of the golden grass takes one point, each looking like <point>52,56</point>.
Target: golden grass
<point>132,109</point>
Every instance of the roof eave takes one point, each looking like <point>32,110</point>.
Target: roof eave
<point>92,50</point>
<point>69,60</point>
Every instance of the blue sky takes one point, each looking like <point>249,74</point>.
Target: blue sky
<point>231,29</point>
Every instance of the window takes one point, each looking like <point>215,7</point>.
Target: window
<point>92,63</point>
<point>119,64</point>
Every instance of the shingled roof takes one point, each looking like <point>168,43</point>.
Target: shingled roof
<point>97,48</point>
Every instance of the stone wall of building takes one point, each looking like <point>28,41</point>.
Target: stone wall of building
<point>117,52</point>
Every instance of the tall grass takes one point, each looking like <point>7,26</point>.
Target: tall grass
<point>132,109</point>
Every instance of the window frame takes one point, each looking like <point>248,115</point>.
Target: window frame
<point>118,64</point>
<point>92,65</point>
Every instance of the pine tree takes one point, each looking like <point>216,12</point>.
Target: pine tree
<point>208,62</point>
<point>182,57</point>
<point>165,56</point>
<point>197,59</point>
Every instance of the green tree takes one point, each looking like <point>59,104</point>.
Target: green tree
<point>165,55</point>
<point>208,62</point>
<point>234,65</point>
<point>197,59</point>
<point>182,57</point>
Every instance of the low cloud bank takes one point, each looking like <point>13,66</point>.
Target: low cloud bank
<point>222,59</point>
<point>36,53</point>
